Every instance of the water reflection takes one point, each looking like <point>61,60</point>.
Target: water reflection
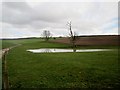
<point>74,50</point>
<point>54,50</point>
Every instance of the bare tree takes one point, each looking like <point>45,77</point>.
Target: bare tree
<point>46,35</point>
<point>72,35</point>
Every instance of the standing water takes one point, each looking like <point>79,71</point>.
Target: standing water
<point>55,50</point>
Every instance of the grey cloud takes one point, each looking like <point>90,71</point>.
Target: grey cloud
<point>85,17</point>
<point>49,12</point>
<point>16,13</point>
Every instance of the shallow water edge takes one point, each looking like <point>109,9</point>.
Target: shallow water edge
<point>56,50</point>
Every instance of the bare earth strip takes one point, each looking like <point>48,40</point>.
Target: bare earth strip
<point>5,83</point>
<point>0,54</point>
<point>3,52</point>
<point>0,69</point>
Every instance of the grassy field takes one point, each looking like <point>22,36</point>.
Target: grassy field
<point>61,70</point>
<point>9,43</point>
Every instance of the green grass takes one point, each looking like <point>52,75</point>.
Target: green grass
<point>6,44</point>
<point>62,70</point>
<point>9,43</point>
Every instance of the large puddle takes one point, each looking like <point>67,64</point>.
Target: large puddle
<point>51,50</point>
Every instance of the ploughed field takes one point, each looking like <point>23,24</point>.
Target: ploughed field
<point>61,70</point>
<point>92,40</point>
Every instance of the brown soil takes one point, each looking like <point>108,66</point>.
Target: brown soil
<point>92,40</point>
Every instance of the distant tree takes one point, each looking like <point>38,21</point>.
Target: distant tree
<point>60,36</point>
<point>46,35</point>
<point>54,38</point>
<point>73,36</point>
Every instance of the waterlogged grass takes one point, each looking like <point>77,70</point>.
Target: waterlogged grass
<point>62,70</point>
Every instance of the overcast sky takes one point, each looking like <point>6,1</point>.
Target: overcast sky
<point>29,19</point>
